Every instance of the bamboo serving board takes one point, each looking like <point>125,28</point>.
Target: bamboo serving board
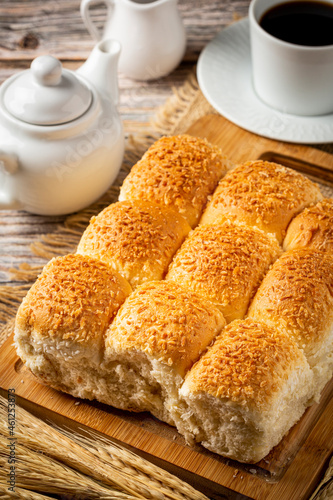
<point>294,467</point>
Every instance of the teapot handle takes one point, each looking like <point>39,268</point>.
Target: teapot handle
<point>85,14</point>
<point>9,164</point>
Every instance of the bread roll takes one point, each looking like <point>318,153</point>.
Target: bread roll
<point>137,238</point>
<point>249,388</point>
<point>61,323</point>
<point>312,228</point>
<point>296,296</point>
<point>165,347</point>
<point>225,263</point>
<point>158,334</point>
<point>262,194</point>
<point>179,172</point>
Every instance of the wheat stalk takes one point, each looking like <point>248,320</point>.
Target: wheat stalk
<point>19,493</point>
<point>38,472</point>
<point>39,436</point>
<point>108,463</point>
<point>122,459</point>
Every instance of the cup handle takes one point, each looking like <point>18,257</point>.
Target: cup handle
<point>85,14</point>
<point>9,164</point>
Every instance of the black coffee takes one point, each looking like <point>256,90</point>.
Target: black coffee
<point>302,23</point>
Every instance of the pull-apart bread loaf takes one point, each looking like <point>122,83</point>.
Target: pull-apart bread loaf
<point>61,323</point>
<point>148,315</point>
<point>261,194</point>
<point>137,238</point>
<point>160,331</point>
<point>246,391</point>
<point>180,172</point>
<point>312,228</point>
<point>296,297</point>
<point>225,263</point>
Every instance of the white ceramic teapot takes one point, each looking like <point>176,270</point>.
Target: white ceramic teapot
<point>61,138</point>
<point>151,34</point>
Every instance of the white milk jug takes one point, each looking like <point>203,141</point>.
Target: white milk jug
<point>151,34</point>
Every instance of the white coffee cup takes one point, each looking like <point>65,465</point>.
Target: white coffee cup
<point>295,79</point>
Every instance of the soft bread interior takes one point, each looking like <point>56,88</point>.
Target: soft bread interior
<point>59,363</point>
<point>235,431</point>
<point>248,389</point>
<point>139,382</point>
<point>60,325</point>
<point>159,332</point>
<point>322,365</point>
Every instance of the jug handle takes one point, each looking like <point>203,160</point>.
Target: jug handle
<point>85,14</point>
<point>9,164</point>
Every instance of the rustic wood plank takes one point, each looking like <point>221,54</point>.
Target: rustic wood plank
<point>239,145</point>
<point>29,27</point>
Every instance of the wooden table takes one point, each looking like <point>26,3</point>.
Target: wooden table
<point>29,28</point>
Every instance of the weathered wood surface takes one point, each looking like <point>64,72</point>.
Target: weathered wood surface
<point>29,28</point>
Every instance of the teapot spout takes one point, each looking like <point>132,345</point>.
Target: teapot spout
<point>101,68</point>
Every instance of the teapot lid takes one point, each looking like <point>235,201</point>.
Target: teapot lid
<point>47,94</point>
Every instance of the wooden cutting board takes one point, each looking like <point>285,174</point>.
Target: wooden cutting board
<point>293,469</point>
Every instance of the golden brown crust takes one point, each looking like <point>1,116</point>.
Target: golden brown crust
<point>312,228</point>
<point>225,263</point>
<point>261,194</point>
<point>247,364</point>
<point>167,322</point>
<point>137,238</point>
<point>297,296</point>
<point>75,298</point>
<point>180,172</point>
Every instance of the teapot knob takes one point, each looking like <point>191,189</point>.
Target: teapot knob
<point>47,70</point>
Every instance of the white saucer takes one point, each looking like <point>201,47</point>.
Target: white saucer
<point>224,76</point>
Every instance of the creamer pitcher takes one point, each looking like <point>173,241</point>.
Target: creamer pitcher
<point>151,33</point>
